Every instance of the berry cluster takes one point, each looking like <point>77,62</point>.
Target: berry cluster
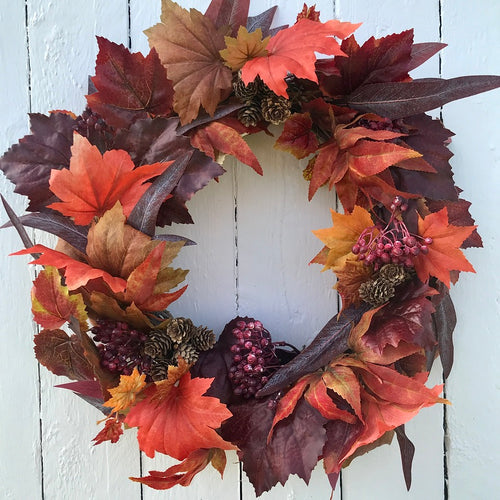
<point>254,358</point>
<point>121,347</point>
<point>392,244</point>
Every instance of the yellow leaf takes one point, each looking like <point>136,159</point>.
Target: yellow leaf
<point>244,47</point>
<point>124,394</point>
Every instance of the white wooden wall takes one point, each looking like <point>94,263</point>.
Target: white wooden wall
<point>47,50</point>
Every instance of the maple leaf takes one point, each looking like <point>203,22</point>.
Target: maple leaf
<point>63,355</point>
<point>129,85</point>
<point>181,420</point>
<point>444,251</point>
<point>341,237</point>
<point>297,137</point>
<point>29,163</point>
<point>124,395</point>
<point>349,278</point>
<point>52,305</point>
<point>244,47</point>
<point>94,182</point>
<point>113,429</point>
<point>194,463</point>
<point>219,137</point>
<point>188,45</point>
<point>292,50</point>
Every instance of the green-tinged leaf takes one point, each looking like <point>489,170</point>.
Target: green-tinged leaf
<point>401,99</point>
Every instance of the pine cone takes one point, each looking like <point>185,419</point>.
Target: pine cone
<point>180,330</point>
<point>204,339</point>
<point>250,115</point>
<point>186,351</point>
<point>376,292</point>
<point>394,274</point>
<point>275,109</point>
<point>159,369</point>
<point>158,345</point>
<point>246,92</point>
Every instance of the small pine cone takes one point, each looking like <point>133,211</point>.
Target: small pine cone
<point>180,330</point>
<point>159,369</point>
<point>376,292</point>
<point>275,109</point>
<point>204,339</point>
<point>394,274</point>
<point>246,92</point>
<point>186,351</point>
<point>158,345</point>
<point>250,115</point>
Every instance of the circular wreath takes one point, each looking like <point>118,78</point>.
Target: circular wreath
<point>155,131</point>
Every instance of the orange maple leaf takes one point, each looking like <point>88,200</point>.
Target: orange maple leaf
<point>244,47</point>
<point>292,50</point>
<point>444,251</point>
<point>194,463</point>
<point>180,420</point>
<point>113,429</point>
<point>124,395</point>
<point>94,182</point>
<point>341,237</point>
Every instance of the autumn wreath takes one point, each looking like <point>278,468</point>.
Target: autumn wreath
<point>153,134</point>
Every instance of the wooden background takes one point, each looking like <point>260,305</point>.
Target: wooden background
<point>254,263</point>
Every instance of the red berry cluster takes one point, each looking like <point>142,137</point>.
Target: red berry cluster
<point>254,358</point>
<point>120,347</point>
<point>393,244</point>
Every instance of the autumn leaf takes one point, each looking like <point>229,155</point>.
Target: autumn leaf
<point>188,44</point>
<point>444,251</point>
<point>62,355</point>
<point>129,85</point>
<point>218,137</point>
<point>95,182</point>
<point>349,278</point>
<point>52,304</point>
<point>113,429</point>
<point>124,395</point>
<point>293,50</point>
<point>244,47</point>
<point>184,472</point>
<point>297,137</point>
<point>341,237</point>
<point>180,421</point>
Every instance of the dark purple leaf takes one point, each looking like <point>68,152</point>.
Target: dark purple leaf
<point>401,99</point>
<point>262,21</point>
<point>421,52</point>
<point>444,320</point>
<point>14,219</point>
<point>28,164</point>
<point>174,237</point>
<point>407,450</point>
<point>143,216</point>
<point>295,447</point>
<point>233,13</point>
<point>58,225</point>
<point>430,138</point>
<point>330,342</point>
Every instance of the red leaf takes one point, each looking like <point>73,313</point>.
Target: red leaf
<point>178,421</point>
<point>95,182</point>
<point>293,49</point>
<point>444,251</point>
<point>218,137</point>
<point>129,85</point>
<point>113,429</point>
<point>297,137</point>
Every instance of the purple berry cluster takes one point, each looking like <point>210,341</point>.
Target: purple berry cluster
<point>253,358</point>
<point>392,244</point>
<point>120,347</point>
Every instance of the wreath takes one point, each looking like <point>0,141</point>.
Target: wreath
<point>155,131</point>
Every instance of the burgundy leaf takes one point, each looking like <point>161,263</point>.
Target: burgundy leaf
<point>233,13</point>
<point>295,447</point>
<point>420,52</point>
<point>143,216</point>
<point>222,111</point>
<point>28,164</point>
<point>401,99</point>
<point>89,388</point>
<point>407,450</point>
<point>330,342</point>
<point>444,319</point>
